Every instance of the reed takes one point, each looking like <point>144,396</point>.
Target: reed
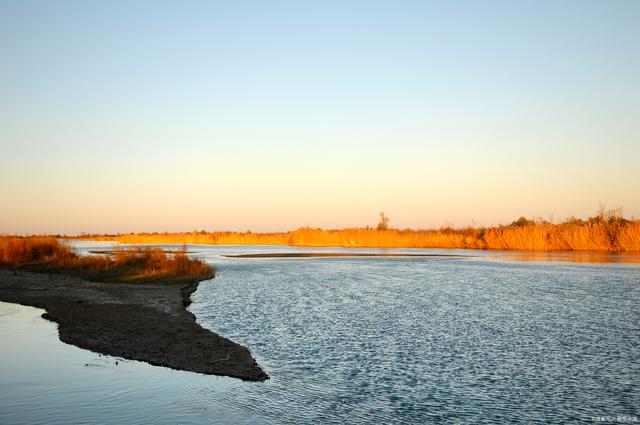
<point>47,254</point>
<point>605,232</point>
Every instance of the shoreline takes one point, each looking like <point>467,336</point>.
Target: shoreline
<point>608,231</point>
<point>145,322</point>
<point>341,254</point>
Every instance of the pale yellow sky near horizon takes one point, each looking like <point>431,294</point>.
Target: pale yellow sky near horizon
<point>182,192</point>
<point>223,117</point>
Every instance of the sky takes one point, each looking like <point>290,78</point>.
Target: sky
<point>175,116</point>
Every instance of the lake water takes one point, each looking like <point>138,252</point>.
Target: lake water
<point>494,338</point>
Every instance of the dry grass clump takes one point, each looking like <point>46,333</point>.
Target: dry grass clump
<point>19,251</point>
<point>149,264</point>
<point>607,231</point>
<point>629,237</point>
<point>46,254</point>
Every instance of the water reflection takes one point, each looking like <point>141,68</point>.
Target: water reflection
<point>568,256</point>
<point>217,252</point>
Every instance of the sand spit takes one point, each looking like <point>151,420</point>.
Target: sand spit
<point>340,254</point>
<point>147,322</point>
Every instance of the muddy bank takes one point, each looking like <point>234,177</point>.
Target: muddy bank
<point>164,251</point>
<point>340,254</point>
<point>146,322</point>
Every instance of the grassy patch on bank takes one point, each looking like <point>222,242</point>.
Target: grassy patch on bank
<point>49,255</point>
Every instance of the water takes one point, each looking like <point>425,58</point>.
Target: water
<point>484,339</point>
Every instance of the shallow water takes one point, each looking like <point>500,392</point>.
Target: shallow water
<point>391,339</point>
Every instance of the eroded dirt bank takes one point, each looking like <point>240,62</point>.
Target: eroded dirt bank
<point>146,322</point>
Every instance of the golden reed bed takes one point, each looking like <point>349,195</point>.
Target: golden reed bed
<point>48,254</point>
<point>600,233</point>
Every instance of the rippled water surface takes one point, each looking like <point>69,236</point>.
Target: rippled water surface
<point>483,339</point>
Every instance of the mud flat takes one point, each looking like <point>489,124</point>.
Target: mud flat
<point>340,254</point>
<point>138,321</point>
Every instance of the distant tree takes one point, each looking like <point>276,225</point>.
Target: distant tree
<point>523,221</point>
<point>383,224</point>
<point>611,216</point>
<point>574,221</point>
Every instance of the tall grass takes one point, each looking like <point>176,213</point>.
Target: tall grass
<point>600,233</point>
<point>47,254</point>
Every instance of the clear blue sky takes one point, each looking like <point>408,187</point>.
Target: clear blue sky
<point>133,116</point>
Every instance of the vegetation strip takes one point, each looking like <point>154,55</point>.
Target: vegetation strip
<point>607,231</point>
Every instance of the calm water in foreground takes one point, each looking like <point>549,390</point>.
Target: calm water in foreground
<point>495,338</point>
